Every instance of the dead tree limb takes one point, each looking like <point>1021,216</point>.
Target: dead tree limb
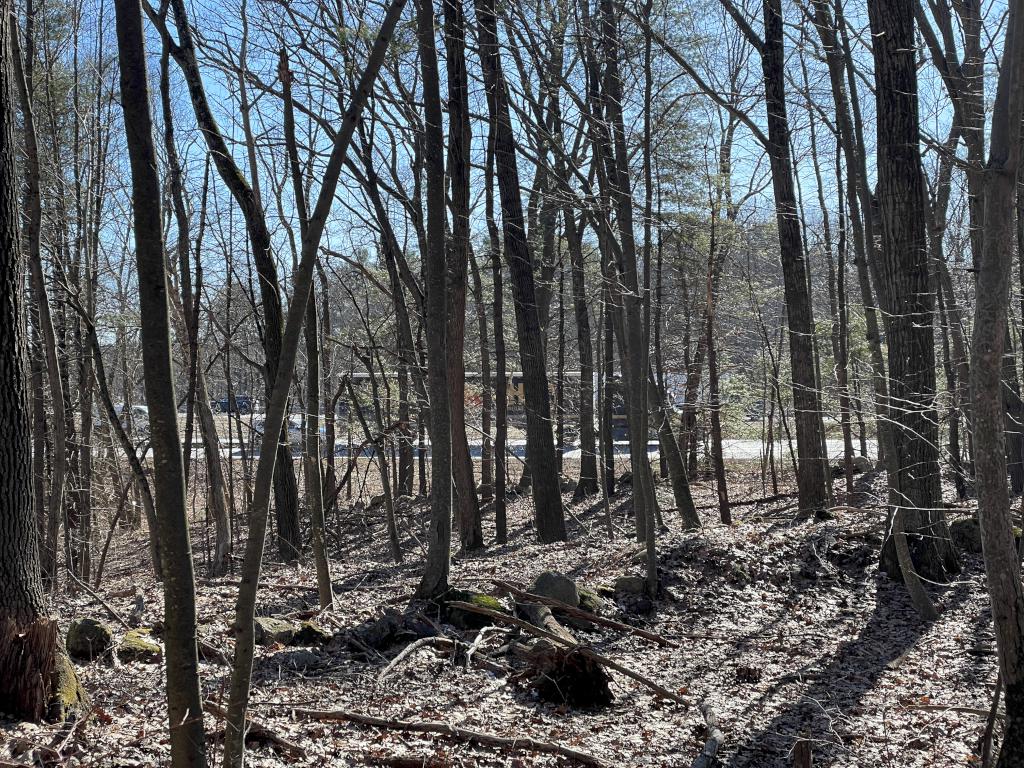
<point>453,732</point>
<point>589,653</point>
<point>579,613</point>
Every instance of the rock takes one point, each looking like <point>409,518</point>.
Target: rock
<point>630,585</point>
<point>966,535</point>
<point>467,619</point>
<point>88,638</point>
<point>310,633</point>
<point>591,601</point>
<point>270,630</point>
<point>137,646</point>
<point>299,659</point>
<point>557,586</point>
<point>862,464</point>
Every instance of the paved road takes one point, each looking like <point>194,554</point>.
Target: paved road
<point>733,450</point>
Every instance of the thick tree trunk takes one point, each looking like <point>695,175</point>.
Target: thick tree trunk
<point>36,676</point>
<point>907,297</point>
<point>1002,563</point>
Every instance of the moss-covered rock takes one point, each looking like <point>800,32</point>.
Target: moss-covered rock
<point>464,619</point>
<point>88,639</point>
<point>310,633</point>
<point>270,630</point>
<point>137,646</point>
<point>591,601</point>
<point>630,585</point>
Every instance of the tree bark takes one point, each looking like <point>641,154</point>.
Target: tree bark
<point>540,445</point>
<point>907,297</point>
<point>184,698</point>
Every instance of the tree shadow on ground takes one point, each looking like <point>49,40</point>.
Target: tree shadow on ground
<point>817,713</point>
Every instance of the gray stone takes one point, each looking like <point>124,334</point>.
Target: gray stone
<point>966,535</point>
<point>557,586</point>
<point>630,585</point>
<point>270,630</point>
<point>88,638</point>
<point>310,633</point>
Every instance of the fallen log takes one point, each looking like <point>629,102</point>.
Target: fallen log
<point>603,660</point>
<point>455,733</point>
<point>579,613</point>
<point>713,741</point>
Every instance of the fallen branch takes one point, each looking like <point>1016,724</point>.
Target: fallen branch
<point>453,732</point>
<point>113,614</point>
<point>589,653</point>
<point>714,739</point>
<point>412,648</point>
<point>579,613</point>
<point>257,730</point>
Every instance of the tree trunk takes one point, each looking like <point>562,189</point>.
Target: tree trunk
<point>1002,564</point>
<point>435,574</point>
<point>907,297</point>
<point>812,477</point>
<point>540,445</point>
<point>36,676</point>
<point>184,698</point>
<point>467,506</point>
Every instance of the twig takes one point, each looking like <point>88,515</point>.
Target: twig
<point>458,734</point>
<point>591,654</point>
<point>582,614</point>
<point>257,730</point>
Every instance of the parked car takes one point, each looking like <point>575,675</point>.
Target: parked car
<point>233,404</point>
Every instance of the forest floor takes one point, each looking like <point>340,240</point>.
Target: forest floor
<point>785,629</point>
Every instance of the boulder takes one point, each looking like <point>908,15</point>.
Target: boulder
<point>966,535</point>
<point>310,633</point>
<point>629,585</point>
<point>270,630</point>
<point>88,638</point>
<point>590,601</point>
<point>137,646</point>
<point>557,586</point>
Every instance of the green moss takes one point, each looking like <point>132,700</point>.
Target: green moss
<point>590,601</point>
<point>68,698</point>
<point>468,619</point>
<point>137,647</point>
